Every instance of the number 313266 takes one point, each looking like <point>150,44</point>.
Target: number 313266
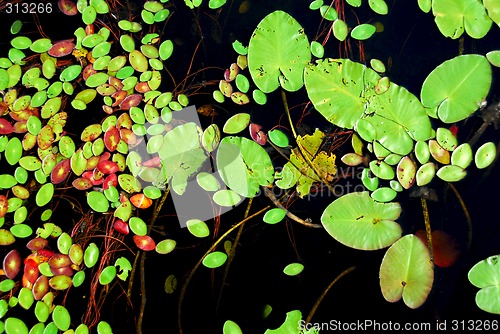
<point>28,8</point>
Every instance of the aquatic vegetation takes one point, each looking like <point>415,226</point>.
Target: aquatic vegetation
<point>99,125</point>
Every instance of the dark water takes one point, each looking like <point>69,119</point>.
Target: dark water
<point>414,46</point>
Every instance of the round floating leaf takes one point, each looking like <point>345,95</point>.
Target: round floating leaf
<point>278,51</point>
<point>15,326</point>
<point>230,327</point>
<point>328,13</point>
<point>227,197</point>
<point>406,171</point>
<point>425,174</point>
<point>107,275</point>
<point>278,137</point>
<point>13,151</point>
<point>104,328</point>
<point>138,226</point>
<point>422,152</point>
<point>242,83</point>
<point>165,246</point>
<point>462,156</point>
<point>207,181</point>
<point>214,260</point>
<point>60,282</point>
<point>293,269</point>
<point>358,221</point>
<point>145,242</point>
<point>21,230</point>
<point>12,264</point>
<point>485,155</point>
<point>16,27</point>
<point>61,317</point>
<point>452,17</point>
<point>451,173</point>
<point>236,123</point>
<point>244,165</point>
<point>378,6</point>
<point>446,139</point>
<point>97,201</point>
<point>165,50</point>
<point>89,15</point>
<point>6,237</point>
<point>214,4</point>
<point>274,215</point>
<point>494,57</point>
<point>61,49</point>
<point>363,31</point>
<point>259,97</point>
<point>198,228</point>
<point>407,271</point>
<point>486,275</point>
<point>44,194</point>
<point>91,255</point>
<point>317,49</point>
<point>457,86</point>
<point>384,194</point>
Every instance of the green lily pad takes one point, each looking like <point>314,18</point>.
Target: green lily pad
<point>336,87</point>
<point>422,152</point>
<point>214,259</point>
<point>104,328</point>
<point>384,194</point>
<point>358,221</point>
<point>454,16</point>
<point>378,6</point>
<point>274,215</point>
<point>289,326</point>
<point>13,151</point>
<point>278,137</point>
<point>278,51</point>
<point>485,155</point>
<point>407,271</point>
<point>328,12</point>
<point>207,181</point>
<point>236,123</point>
<point>244,165</point>
<point>457,86</point>
<point>405,172</point>
<point>494,57</point>
<point>89,15</point>
<point>485,275</point>
<point>166,49</point>
<point>293,269</point>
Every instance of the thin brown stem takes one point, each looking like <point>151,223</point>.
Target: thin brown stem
<point>323,294</point>
<point>232,253</point>
<point>428,230</point>
<point>192,272</point>
<point>307,222</point>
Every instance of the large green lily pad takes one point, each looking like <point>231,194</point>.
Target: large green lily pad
<point>407,271</point>
<point>358,221</point>
<point>244,165</point>
<point>339,89</point>
<point>486,276</point>
<point>278,51</point>
<point>457,87</point>
<point>453,16</point>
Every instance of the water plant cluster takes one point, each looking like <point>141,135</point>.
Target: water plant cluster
<point>140,147</point>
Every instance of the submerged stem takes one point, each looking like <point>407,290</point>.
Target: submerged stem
<point>191,273</point>
<point>323,294</point>
<point>428,231</point>
<point>466,213</point>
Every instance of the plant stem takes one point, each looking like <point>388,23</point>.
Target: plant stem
<point>142,260</point>
<point>307,222</point>
<point>232,253</point>
<point>428,231</point>
<point>191,273</point>
<point>466,213</point>
<point>322,296</point>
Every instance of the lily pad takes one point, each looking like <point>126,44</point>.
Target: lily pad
<point>236,123</point>
<point>457,86</point>
<point>61,49</point>
<point>278,51</point>
<point>485,275</point>
<point>485,155</point>
<point>244,165</point>
<point>274,215</point>
<point>293,269</point>
<point>358,221</point>
<point>407,271</point>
